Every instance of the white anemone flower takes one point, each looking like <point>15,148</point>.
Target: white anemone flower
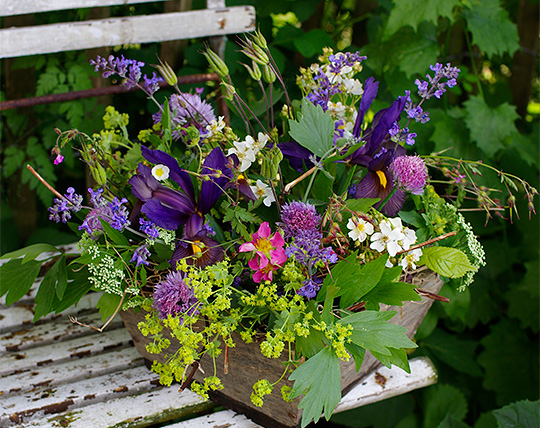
<point>388,238</point>
<point>245,154</point>
<point>359,229</point>
<point>215,126</point>
<point>160,172</point>
<point>409,239</point>
<point>263,190</point>
<point>410,259</point>
<point>353,86</point>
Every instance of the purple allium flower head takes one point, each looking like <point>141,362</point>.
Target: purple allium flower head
<point>173,295</point>
<point>410,173</point>
<point>188,109</point>
<point>140,255</point>
<point>62,208</point>
<point>299,217</point>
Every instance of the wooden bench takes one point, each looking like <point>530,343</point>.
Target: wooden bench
<point>55,373</point>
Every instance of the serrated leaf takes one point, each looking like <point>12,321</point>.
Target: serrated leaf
<point>491,29</point>
<point>373,331</point>
<point>365,278</point>
<point>397,357</point>
<point>16,278</point>
<point>314,130</point>
<point>446,261</point>
<point>441,400</point>
<point>53,283</point>
<point>451,422</point>
<point>31,252</point>
<point>392,293</point>
<point>413,12</point>
<point>489,127</point>
<point>358,353</point>
<point>107,304</point>
<point>523,414</point>
<point>319,379</point>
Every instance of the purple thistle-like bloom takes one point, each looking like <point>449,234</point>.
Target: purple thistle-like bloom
<point>299,217</point>
<point>62,208</point>
<point>114,213</point>
<point>140,255</point>
<point>173,295</point>
<point>410,173</point>
<point>188,109</point>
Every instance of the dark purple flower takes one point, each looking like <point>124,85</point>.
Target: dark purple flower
<point>370,92</point>
<point>173,295</point>
<point>140,255</point>
<point>199,250</point>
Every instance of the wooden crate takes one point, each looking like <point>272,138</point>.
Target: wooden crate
<point>246,364</point>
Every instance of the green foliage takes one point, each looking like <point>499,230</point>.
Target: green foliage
<point>17,278</point>
<point>53,285</point>
<point>524,414</point>
<point>442,400</point>
<point>446,261</point>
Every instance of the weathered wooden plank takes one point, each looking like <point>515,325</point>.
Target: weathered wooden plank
<point>31,359</point>
<point>22,41</point>
<point>70,371</point>
<point>20,315</point>
<point>138,410</point>
<point>225,418</point>
<point>385,383</point>
<point>44,334</point>
<point>46,400</point>
<point>10,7</point>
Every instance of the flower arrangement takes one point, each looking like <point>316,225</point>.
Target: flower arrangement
<point>294,234</point>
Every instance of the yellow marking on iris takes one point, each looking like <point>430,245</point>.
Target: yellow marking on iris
<point>196,249</point>
<point>382,178</point>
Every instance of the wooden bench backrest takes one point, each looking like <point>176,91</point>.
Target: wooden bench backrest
<point>215,20</point>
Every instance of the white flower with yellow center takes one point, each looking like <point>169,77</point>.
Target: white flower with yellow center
<point>244,153</point>
<point>410,259</point>
<point>215,126</point>
<point>160,172</point>
<point>359,229</point>
<point>388,238</point>
<point>263,190</point>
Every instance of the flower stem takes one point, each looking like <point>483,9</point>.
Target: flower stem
<point>383,203</point>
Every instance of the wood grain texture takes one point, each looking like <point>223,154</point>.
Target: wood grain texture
<point>247,365</point>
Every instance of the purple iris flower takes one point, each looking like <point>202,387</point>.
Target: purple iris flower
<point>171,208</point>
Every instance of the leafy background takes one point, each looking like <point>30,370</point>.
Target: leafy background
<point>485,341</point>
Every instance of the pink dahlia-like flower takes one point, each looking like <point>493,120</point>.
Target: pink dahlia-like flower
<point>269,255</point>
<point>410,173</point>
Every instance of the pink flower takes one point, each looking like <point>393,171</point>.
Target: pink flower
<point>59,159</point>
<point>269,255</point>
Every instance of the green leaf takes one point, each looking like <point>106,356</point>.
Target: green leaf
<point>31,252</point>
<point>523,414</point>
<point>364,279</point>
<point>446,261</point>
<point>456,352</point>
<point>372,331</point>
<point>54,283</point>
<point>490,127</point>
<point>397,357</point>
<point>508,346</point>
<point>319,379</point>
<point>311,345</point>
<point>441,400</point>
<point>451,422</point>
<point>314,130</point>
<point>361,205</point>
<point>491,29</point>
<point>77,286</point>
<point>312,43</point>
<point>523,300</point>
<point>115,235</point>
<point>459,304</point>
<point>357,352</point>
<point>107,304</point>
<point>16,278</point>
<point>392,293</point>
<point>413,12</point>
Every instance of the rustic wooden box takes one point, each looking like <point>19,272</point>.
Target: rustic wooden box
<point>247,365</point>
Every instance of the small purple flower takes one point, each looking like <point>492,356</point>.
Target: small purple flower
<point>149,228</point>
<point>173,295</point>
<point>62,208</point>
<point>410,173</point>
<point>310,288</point>
<point>140,255</point>
<point>113,213</point>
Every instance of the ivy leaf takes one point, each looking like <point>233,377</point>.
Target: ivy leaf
<point>446,261</point>
<point>364,279</point>
<point>314,130</point>
<point>54,283</point>
<point>319,379</point>
<point>372,331</point>
<point>521,414</point>
<point>491,29</point>
<point>441,400</point>
<point>413,12</point>
<point>16,278</point>
<point>489,127</point>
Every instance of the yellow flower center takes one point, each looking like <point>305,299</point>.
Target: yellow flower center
<point>382,178</point>
<point>263,245</point>
<point>195,247</point>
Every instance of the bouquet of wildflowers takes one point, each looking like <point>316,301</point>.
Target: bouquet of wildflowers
<point>293,229</point>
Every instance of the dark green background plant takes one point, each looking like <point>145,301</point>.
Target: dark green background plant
<point>485,341</point>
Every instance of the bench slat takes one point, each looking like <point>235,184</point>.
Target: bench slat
<point>56,353</point>
<point>10,7</point>
<point>21,41</point>
<point>70,371</point>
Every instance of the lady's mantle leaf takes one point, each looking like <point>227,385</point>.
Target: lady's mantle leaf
<point>372,331</point>
<point>446,261</point>
<point>314,130</point>
<point>524,414</point>
<point>441,400</point>
<point>319,379</point>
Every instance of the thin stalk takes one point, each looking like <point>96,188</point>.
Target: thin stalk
<point>266,102</point>
<point>250,111</point>
<point>473,64</point>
